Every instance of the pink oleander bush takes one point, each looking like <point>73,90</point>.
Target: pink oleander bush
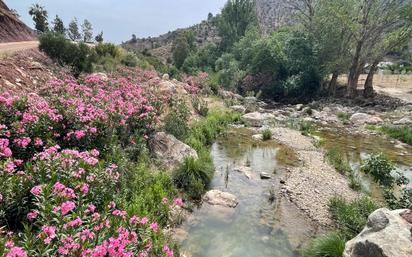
<point>72,213</point>
<point>68,185</point>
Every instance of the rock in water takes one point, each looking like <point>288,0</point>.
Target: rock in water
<point>363,118</point>
<point>264,175</point>
<point>170,150</point>
<point>387,234</point>
<point>216,197</point>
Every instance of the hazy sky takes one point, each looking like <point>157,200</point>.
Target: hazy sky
<point>119,19</point>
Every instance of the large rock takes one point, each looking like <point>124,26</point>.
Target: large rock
<point>403,121</point>
<point>363,118</point>
<point>257,119</point>
<point>170,150</point>
<point>216,197</point>
<point>238,108</point>
<point>387,234</point>
<point>250,103</point>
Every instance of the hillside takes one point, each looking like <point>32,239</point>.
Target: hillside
<point>271,14</point>
<point>11,28</point>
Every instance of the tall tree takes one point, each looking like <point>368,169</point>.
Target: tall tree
<point>237,16</point>
<point>87,29</point>
<point>73,31</point>
<point>58,25</point>
<point>39,15</point>
<point>376,21</point>
<point>180,50</point>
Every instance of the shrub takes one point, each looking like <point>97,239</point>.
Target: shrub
<point>130,60</point>
<point>329,245</point>
<point>344,117</point>
<point>267,134</point>
<point>403,133</point>
<point>194,176</point>
<point>176,121</point>
<point>382,171</point>
<point>351,217</point>
<point>306,127</point>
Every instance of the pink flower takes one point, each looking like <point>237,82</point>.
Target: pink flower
<point>48,233</point>
<point>144,220</point>
<point>1,198</point>
<point>36,190</point>
<point>93,130</point>
<point>79,134</point>
<point>22,142</point>
<point>7,152</point>
<point>38,141</point>
<point>178,202</point>
<point>16,252</point>
<point>154,227</point>
<point>32,215</point>
<point>84,188</point>
<point>9,244</point>
<point>67,207</point>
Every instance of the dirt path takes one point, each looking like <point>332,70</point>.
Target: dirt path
<point>7,48</point>
<point>402,93</point>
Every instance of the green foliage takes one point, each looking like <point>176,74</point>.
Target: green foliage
<point>336,158</point>
<point>329,245</point>
<point>144,190</point>
<point>267,134</point>
<point>351,217</point>
<point>58,25</point>
<point>99,37</point>
<point>180,51</point>
<point>228,71</point>
<point>399,200</point>
<point>306,127</point>
<point>236,17</point>
<point>130,60</point>
<point>39,15</point>
<point>73,31</point>
<point>87,29</point>
<point>403,133</point>
<point>78,56</point>
<point>344,117</point>
<point>176,121</point>
<point>382,171</point>
<point>194,176</point>
<point>203,59</point>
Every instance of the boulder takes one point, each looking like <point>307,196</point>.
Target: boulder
<point>250,103</point>
<point>264,175</point>
<point>257,119</point>
<point>403,121</point>
<point>216,197</point>
<point>363,118</point>
<point>170,150</point>
<point>101,75</point>
<point>387,234</point>
<point>165,76</point>
<point>257,137</point>
<point>238,108</point>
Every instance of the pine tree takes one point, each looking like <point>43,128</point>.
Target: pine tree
<point>58,25</point>
<point>73,31</point>
<point>87,29</point>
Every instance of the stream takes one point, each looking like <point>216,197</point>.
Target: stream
<point>252,228</point>
<point>262,225</point>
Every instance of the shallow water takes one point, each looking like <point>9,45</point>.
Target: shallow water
<point>360,147</point>
<point>250,228</point>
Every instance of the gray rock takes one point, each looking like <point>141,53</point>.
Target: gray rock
<point>216,197</point>
<point>170,150</point>
<point>247,171</point>
<point>238,108</point>
<point>363,118</point>
<point>264,175</point>
<point>387,234</point>
<point>257,119</point>
<point>250,103</point>
<point>403,121</point>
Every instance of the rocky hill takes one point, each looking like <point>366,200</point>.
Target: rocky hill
<point>11,28</point>
<point>271,14</point>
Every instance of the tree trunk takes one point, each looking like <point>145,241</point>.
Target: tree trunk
<point>333,83</point>
<point>368,87</point>
<point>354,72</point>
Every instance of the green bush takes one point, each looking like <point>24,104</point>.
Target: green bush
<point>329,245</point>
<point>351,217</point>
<point>194,176</point>
<point>382,171</point>
<point>176,121</point>
<point>403,133</point>
<point>267,134</point>
<point>130,60</point>
<point>344,117</point>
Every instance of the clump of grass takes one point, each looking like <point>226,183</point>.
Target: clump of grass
<point>306,128</point>
<point>403,133</point>
<point>337,160</point>
<point>344,117</point>
<point>354,181</point>
<point>351,217</point>
<point>267,134</point>
<point>329,245</point>
<point>286,156</point>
